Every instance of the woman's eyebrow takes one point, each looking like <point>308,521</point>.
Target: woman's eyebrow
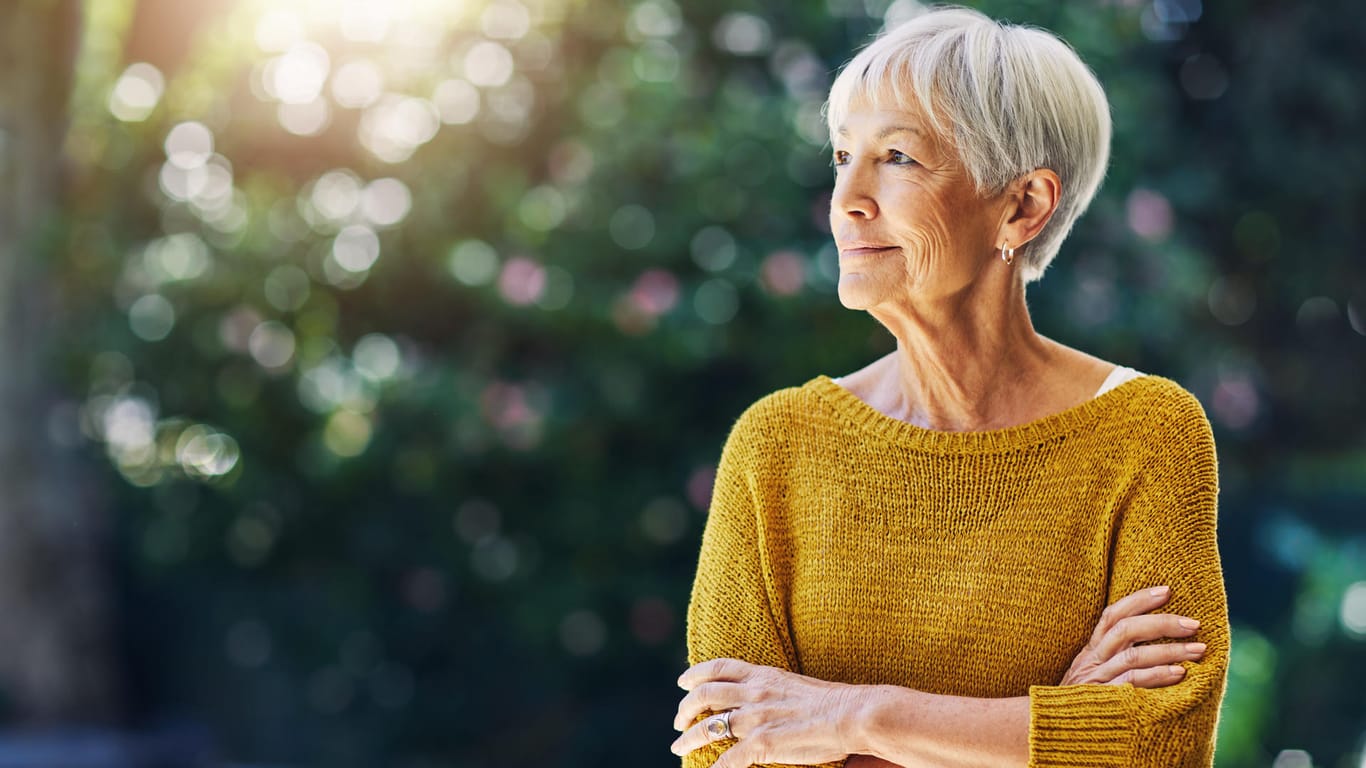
<point>890,130</point>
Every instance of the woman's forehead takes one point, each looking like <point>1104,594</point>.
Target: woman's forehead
<point>883,100</point>
<point>869,121</point>
<point>882,121</point>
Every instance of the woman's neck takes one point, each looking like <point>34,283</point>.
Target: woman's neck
<point>970,365</point>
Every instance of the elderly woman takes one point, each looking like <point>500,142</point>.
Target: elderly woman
<point>952,556</point>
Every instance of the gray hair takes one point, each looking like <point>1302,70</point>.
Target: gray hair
<point>1010,99</point>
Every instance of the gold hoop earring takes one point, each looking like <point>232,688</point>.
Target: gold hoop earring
<point>1007,254</point>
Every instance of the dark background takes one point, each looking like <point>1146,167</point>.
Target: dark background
<point>380,431</point>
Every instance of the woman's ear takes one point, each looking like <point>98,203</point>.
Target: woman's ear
<point>1033,199</point>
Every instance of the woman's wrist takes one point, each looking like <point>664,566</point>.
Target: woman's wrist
<point>880,717</point>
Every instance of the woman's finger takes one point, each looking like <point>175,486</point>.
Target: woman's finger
<point>728,670</point>
<point>1152,677</point>
<point>742,755</point>
<point>1141,657</point>
<point>708,697</point>
<point>1142,629</point>
<point>690,739</point>
<point>697,735</point>
<point>1135,604</point>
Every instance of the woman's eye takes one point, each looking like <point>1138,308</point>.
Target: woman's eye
<point>840,158</point>
<point>899,158</point>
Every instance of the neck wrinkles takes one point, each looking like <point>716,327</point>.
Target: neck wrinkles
<point>965,363</point>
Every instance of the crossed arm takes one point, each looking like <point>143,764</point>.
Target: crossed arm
<point>880,725</point>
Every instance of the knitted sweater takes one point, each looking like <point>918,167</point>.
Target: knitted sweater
<point>850,546</point>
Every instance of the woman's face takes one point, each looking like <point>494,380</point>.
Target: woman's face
<point>904,213</point>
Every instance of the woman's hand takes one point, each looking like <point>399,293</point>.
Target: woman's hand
<point>1113,656</point>
<point>777,716</point>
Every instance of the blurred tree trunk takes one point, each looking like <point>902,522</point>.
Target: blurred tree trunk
<point>55,651</point>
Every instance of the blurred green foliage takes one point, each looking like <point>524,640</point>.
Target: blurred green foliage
<point>411,380</point>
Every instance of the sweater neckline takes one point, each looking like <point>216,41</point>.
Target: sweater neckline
<point>868,419</point>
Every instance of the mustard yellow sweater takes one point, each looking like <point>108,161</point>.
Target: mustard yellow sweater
<point>850,546</point>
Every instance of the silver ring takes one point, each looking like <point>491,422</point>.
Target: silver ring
<point>718,726</point>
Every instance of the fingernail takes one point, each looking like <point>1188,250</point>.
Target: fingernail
<point>1159,591</point>
<point>1190,623</point>
<point>1195,647</point>
<point>1175,670</point>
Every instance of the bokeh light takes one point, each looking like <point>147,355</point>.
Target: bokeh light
<point>395,127</point>
<point>335,195</point>
<point>743,34</point>
<point>386,202</point>
<point>356,248</point>
<point>182,256</point>
<point>494,558</point>
<point>307,119</point>
<point>1150,214</point>
<point>136,93</point>
<point>377,357</point>
<point>1293,758</point>
<point>278,29</point>
<point>505,19</point>
<point>783,273</point>
<point>357,84</point>
<point>347,433</point>
<point>632,227</point>
<point>367,21</point>
<point>151,317</point>
<point>189,145</point>
<point>654,18</point>
<point>713,248</point>
<point>488,64</point>
<point>1352,612</point>
<point>1231,300</point>
<point>664,520</point>
<point>655,292</point>
<point>559,289</point>
<point>287,288</point>
<point>1204,77</point>
<point>543,208</point>
<point>653,621</point>
<point>297,76</point>
<point>716,301</point>
<point>248,644</point>
<point>203,451</point>
<point>583,633</point>
<point>456,101</point>
<point>249,542</point>
<point>271,345</point>
<point>476,519</point>
<point>521,281</point>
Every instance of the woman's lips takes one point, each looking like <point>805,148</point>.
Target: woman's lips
<point>865,251</point>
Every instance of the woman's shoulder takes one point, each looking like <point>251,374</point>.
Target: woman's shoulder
<point>783,408</point>
<point>1162,401</point>
<point>775,428</point>
<point>1165,419</point>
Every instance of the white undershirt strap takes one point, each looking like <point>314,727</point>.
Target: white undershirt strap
<point>1118,376</point>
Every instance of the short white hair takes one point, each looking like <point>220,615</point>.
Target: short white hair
<point>1010,99</point>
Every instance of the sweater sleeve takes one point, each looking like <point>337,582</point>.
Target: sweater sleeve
<point>732,611</point>
<point>1166,535</point>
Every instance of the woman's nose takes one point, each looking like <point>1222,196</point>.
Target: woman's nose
<point>852,197</point>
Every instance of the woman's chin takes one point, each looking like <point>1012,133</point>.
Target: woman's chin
<point>858,292</point>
